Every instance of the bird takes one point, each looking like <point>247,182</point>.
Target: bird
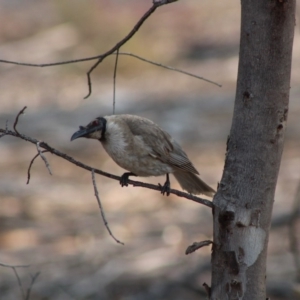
<point>141,147</point>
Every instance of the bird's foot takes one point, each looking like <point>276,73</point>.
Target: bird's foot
<point>125,177</point>
<point>166,188</point>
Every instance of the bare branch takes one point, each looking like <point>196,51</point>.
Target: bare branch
<point>100,172</point>
<point>197,245</point>
<point>45,65</point>
<point>19,281</point>
<point>116,47</point>
<point>137,26</point>
<point>31,163</point>
<point>17,119</point>
<point>115,78</point>
<point>167,67</point>
<point>163,2</point>
<point>84,59</point>
<point>14,268</point>
<point>33,279</point>
<point>6,129</point>
<point>40,152</point>
<point>100,58</point>
<point>102,210</point>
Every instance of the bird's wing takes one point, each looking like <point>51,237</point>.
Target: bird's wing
<point>162,146</point>
<point>179,159</point>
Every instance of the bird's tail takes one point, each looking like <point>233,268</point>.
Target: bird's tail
<point>193,184</point>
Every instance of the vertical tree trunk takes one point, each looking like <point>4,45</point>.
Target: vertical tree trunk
<point>244,201</point>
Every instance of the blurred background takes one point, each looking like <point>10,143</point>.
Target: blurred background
<point>54,224</point>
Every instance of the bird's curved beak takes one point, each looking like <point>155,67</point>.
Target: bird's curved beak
<point>84,132</point>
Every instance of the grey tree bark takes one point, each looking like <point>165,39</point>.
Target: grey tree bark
<point>244,201</point>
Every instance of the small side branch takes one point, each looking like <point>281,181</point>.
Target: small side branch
<point>84,59</point>
<point>31,163</point>
<point>137,26</point>
<point>40,152</point>
<point>197,245</point>
<point>167,67</point>
<point>101,209</point>
<point>14,268</point>
<point>114,50</point>
<point>6,129</point>
<point>33,279</point>
<point>17,119</point>
<point>100,58</point>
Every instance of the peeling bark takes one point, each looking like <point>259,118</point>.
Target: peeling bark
<point>244,200</point>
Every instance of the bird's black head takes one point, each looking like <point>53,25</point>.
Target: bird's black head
<point>94,130</point>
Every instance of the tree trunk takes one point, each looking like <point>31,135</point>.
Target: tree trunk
<point>244,201</point>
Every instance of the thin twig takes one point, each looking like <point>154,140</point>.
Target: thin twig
<point>40,152</point>
<point>101,57</point>
<point>6,129</point>
<point>137,26</point>
<point>102,210</point>
<point>100,172</point>
<point>162,2</point>
<point>33,279</point>
<point>31,163</point>
<point>115,79</point>
<point>19,282</point>
<point>14,268</point>
<point>167,67</point>
<point>45,65</point>
<point>197,245</point>
<point>17,119</point>
<point>84,59</point>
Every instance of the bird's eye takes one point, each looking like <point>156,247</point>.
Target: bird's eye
<point>95,123</point>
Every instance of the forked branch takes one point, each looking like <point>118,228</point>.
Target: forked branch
<point>115,50</point>
<point>102,210</point>
<point>31,163</point>
<point>14,268</point>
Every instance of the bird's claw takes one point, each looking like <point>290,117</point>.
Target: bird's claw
<point>125,177</point>
<point>165,189</point>
<point>124,180</point>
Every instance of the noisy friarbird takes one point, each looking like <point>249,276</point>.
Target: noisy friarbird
<point>144,149</point>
